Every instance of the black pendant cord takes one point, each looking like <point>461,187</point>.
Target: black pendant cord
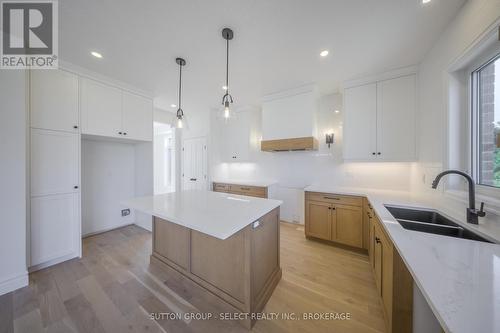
<point>227,66</point>
<point>227,98</point>
<point>180,113</point>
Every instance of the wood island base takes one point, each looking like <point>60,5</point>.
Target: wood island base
<point>242,270</point>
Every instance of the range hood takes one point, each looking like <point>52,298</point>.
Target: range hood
<point>292,144</point>
<point>289,120</point>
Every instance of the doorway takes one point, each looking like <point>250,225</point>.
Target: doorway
<point>164,158</point>
<point>194,164</point>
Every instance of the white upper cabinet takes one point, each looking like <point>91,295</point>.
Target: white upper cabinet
<point>112,112</point>
<point>360,119</point>
<point>379,121</point>
<point>137,121</point>
<point>54,100</point>
<point>101,109</point>
<point>396,119</point>
<point>235,143</point>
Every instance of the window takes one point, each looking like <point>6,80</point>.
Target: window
<point>485,89</point>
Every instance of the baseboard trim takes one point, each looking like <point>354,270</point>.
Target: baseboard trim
<point>90,234</point>
<point>14,283</point>
<point>53,262</point>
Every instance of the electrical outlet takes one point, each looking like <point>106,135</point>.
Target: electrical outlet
<point>125,212</point>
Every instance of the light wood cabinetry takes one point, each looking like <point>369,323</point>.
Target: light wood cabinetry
<point>252,191</point>
<point>337,218</point>
<point>379,120</point>
<point>352,221</point>
<point>347,225</point>
<point>393,280</point>
<point>242,270</point>
<point>112,112</point>
<point>319,219</point>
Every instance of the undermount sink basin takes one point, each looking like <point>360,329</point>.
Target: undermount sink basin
<point>431,221</point>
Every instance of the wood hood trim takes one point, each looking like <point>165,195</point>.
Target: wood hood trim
<point>292,144</point>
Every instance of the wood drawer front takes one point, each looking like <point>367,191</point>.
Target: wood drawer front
<point>335,198</point>
<point>253,191</point>
<point>219,187</point>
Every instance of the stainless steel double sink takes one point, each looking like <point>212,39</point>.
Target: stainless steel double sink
<point>431,221</point>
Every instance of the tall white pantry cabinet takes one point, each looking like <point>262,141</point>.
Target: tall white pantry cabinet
<point>58,100</point>
<point>54,167</point>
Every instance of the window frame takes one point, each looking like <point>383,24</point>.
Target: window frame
<point>473,115</point>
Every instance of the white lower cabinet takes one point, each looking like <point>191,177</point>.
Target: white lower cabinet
<point>55,223</point>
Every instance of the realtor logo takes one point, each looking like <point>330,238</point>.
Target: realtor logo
<point>29,34</point>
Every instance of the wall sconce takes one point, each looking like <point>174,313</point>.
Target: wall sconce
<point>329,139</point>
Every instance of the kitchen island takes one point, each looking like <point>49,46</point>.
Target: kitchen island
<point>228,244</point>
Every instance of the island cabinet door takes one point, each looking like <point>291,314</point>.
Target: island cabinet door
<point>347,225</point>
<point>171,241</point>
<point>319,219</point>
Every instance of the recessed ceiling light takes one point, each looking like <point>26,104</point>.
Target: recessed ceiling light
<point>173,105</point>
<point>426,1</point>
<point>324,53</point>
<point>337,111</point>
<point>96,54</point>
<point>224,87</point>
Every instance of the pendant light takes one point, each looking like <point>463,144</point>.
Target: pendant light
<point>227,99</point>
<point>181,119</point>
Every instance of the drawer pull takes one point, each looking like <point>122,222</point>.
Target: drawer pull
<point>377,240</point>
<point>330,198</point>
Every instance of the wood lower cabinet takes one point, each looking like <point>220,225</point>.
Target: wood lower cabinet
<point>252,191</point>
<point>319,219</point>
<point>337,218</point>
<point>352,221</point>
<point>392,278</point>
<point>347,225</point>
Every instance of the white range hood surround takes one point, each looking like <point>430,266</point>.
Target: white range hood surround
<point>290,115</point>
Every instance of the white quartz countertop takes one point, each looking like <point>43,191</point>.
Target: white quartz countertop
<point>220,215</point>
<point>459,278</point>
<point>260,183</point>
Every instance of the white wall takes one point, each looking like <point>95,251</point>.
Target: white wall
<point>474,19</point>
<point>108,177</point>
<point>13,152</point>
<point>143,154</point>
<point>295,170</point>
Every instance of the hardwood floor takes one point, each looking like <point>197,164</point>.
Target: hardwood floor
<point>114,289</point>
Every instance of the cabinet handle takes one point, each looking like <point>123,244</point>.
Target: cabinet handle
<point>373,153</point>
<point>330,198</point>
<point>333,208</point>
<point>75,187</point>
<point>368,213</point>
<point>370,206</point>
<point>193,179</point>
<point>379,153</point>
<point>120,133</point>
<point>124,133</point>
<point>75,127</point>
<point>377,240</point>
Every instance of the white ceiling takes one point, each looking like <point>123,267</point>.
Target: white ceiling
<point>276,44</point>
